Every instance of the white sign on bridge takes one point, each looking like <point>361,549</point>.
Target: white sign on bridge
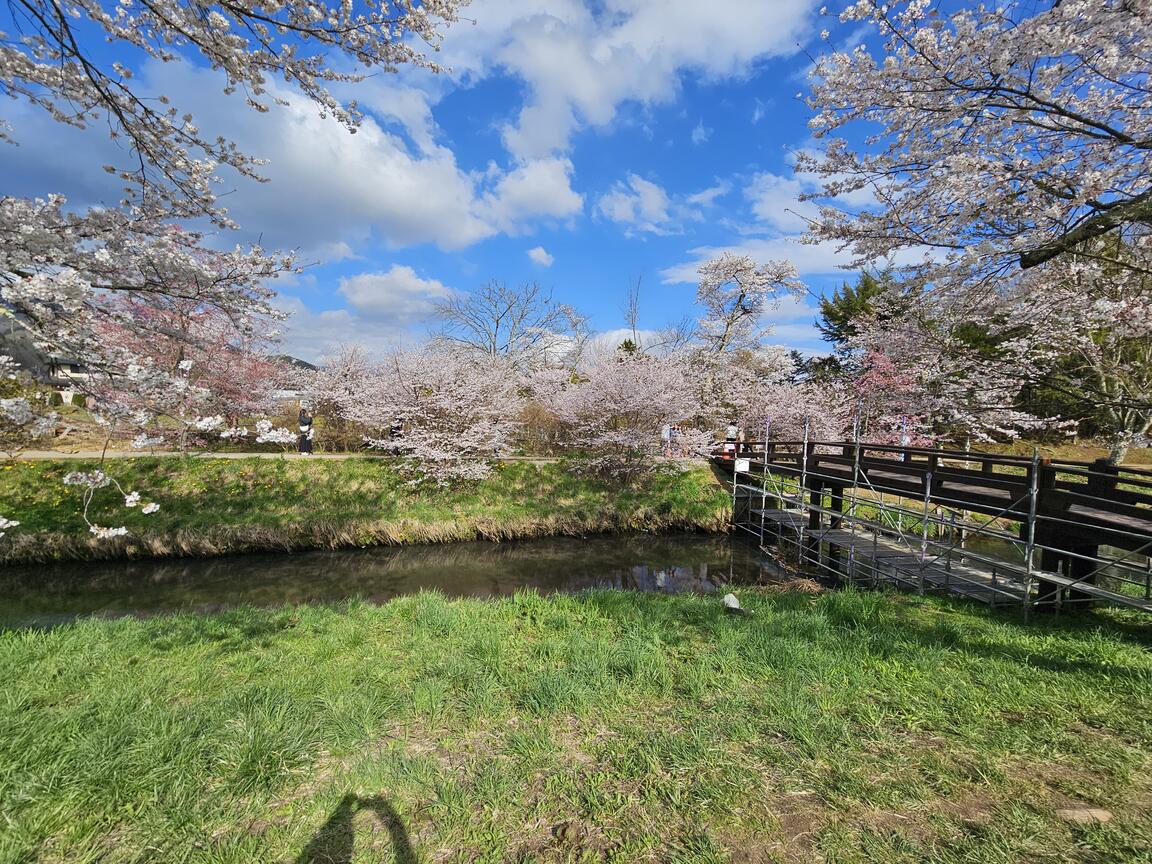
<point>743,466</point>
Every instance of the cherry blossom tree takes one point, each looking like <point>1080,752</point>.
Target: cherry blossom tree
<point>57,263</point>
<point>58,64</point>
<point>727,385</point>
<point>54,260</point>
<point>1088,336</point>
<point>736,292</point>
<point>90,482</point>
<point>615,405</point>
<point>782,408</point>
<point>341,381</point>
<point>445,412</point>
<point>109,288</point>
<point>221,361</point>
<point>1001,137</point>
<point>923,378</point>
<point>1006,152</point>
<point>24,419</point>
<point>892,401</point>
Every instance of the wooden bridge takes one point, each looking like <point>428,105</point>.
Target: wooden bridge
<point>996,527</point>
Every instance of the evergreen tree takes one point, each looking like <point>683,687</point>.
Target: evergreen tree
<point>840,313</point>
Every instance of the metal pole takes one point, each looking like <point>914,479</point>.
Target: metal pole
<point>924,527</point>
<point>803,492</point>
<point>855,497</point>
<point>764,478</point>
<point>951,539</point>
<point>1030,547</point>
<point>735,483</point>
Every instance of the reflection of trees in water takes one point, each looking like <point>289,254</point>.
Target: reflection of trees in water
<point>639,562</point>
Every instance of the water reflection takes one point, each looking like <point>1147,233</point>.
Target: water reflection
<point>50,594</point>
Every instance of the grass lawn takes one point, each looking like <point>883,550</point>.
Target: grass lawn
<point>608,726</point>
<point>212,506</point>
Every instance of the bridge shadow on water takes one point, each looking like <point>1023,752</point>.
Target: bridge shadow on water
<point>335,842</point>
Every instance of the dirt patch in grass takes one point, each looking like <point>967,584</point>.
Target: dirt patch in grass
<point>975,809</point>
<point>799,816</point>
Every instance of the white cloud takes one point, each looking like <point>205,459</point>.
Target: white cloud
<point>537,189</point>
<point>779,220</point>
<point>581,62</point>
<point>775,202</point>
<point>793,323</point>
<point>701,134</point>
<point>644,206</point>
<point>314,335</point>
<point>638,203</point>
<point>707,197</point>
<point>817,259</point>
<point>540,255</point>
<point>810,260</point>
<point>384,309</point>
<point>396,295</point>
<point>330,192</point>
<point>607,341</point>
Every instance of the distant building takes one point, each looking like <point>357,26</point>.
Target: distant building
<point>66,375</point>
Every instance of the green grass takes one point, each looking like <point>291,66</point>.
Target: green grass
<point>609,726</point>
<point>211,506</point>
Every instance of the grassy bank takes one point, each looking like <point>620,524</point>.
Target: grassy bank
<point>215,506</point>
<point>601,727</point>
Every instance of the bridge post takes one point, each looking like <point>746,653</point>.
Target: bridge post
<point>836,520</point>
<point>1103,478</point>
<point>1057,553</point>
<point>1045,479</point>
<point>815,520</point>
<point>836,505</point>
<point>815,501</point>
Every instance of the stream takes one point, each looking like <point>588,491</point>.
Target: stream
<point>48,595</point>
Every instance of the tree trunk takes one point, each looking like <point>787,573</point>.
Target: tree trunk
<point>1118,451</point>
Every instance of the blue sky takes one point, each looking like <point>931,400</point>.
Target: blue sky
<point>583,145</point>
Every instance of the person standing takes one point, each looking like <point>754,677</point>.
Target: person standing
<point>730,436</point>
<point>305,442</point>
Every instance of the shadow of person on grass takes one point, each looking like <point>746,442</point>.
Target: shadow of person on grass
<point>335,842</point>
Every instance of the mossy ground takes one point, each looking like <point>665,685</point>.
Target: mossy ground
<point>608,726</point>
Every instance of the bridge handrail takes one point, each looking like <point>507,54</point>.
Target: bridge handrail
<point>1080,468</point>
<point>1123,484</point>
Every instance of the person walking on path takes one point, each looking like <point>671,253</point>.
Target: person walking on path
<point>305,442</point>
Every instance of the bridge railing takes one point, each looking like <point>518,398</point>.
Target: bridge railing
<point>1066,515</point>
<point>1097,479</point>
